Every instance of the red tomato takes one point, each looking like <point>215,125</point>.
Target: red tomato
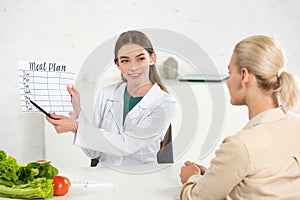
<point>69,182</point>
<point>61,185</point>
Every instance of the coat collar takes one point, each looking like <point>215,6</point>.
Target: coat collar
<point>266,116</point>
<point>117,102</point>
<point>154,93</point>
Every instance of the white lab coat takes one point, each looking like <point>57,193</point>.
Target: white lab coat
<point>137,141</point>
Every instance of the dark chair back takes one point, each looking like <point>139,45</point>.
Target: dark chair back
<point>165,154</point>
<point>94,162</point>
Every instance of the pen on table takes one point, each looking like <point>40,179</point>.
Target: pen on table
<point>88,183</point>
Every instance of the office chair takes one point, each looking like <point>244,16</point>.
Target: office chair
<point>165,154</point>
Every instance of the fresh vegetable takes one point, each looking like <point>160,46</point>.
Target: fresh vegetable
<point>34,170</point>
<point>69,181</point>
<point>43,161</point>
<point>36,189</point>
<point>30,181</point>
<point>61,185</point>
<point>8,167</point>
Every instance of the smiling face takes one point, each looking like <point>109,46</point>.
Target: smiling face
<point>134,63</point>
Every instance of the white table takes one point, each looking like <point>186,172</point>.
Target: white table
<point>134,182</point>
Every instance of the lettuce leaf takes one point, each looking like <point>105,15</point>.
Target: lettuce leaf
<point>8,167</point>
<point>32,170</point>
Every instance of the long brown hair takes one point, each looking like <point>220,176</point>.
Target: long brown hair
<point>139,38</point>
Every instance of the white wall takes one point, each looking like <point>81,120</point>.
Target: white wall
<point>68,31</point>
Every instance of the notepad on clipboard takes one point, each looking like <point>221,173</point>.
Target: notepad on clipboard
<point>204,78</point>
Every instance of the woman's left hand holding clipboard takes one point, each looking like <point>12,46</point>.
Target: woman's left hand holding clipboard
<point>75,99</point>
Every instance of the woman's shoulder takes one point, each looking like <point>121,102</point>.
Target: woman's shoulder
<point>109,89</point>
<point>113,86</point>
<point>243,137</point>
<point>294,116</point>
<point>156,97</point>
<point>161,94</point>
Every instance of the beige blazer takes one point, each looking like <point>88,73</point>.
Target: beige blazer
<point>260,162</point>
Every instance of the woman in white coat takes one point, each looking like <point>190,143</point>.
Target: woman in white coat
<point>132,117</point>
